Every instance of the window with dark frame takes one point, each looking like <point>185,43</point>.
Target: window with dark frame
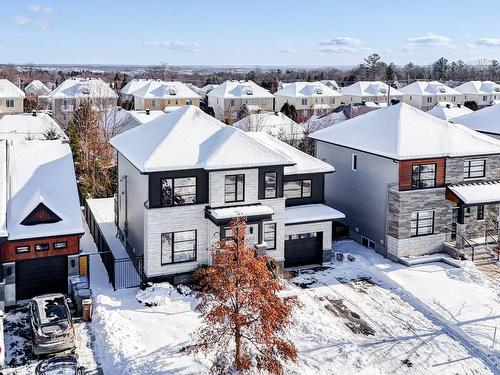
<point>178,247</point>
<point>270,185</point>
<point>354,162</point>
<point>22,249</point>
<point>9,103</point>
<point>480,212</point>
<point>234,188</point>
<point>60,245</point>
<point>177,191</point>
<point>42,247</point>
<point>423,176</point>
<point>422,223</point>
<point>270,235</point>
<point>475,168</point>
<point>297,189</point>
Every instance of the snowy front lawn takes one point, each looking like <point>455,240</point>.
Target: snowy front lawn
<point>355,317</point>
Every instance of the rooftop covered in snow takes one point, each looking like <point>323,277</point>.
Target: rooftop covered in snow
<point>134,85</point>
<point>485,120</point>
<point>477,192</point>
<point>479,88</point>
<point>428,88</point>
<point>274,123</point>
<point>36,87</point>
<point>370,89</point>
<point>9,90</point>
<point>27,126</point>
<point>188,138</point>
<point>306,90</point>
<point>403,132</point>
<point>309,213</point>
<point>82,88</point>
<point>240,89</point>
<point>448,111</point>
<point>164,90</point>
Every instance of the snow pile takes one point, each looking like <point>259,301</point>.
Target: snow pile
<point>468,273</point>
<point>173,299</point>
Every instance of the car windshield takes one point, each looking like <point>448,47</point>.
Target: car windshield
<point>54,309</point>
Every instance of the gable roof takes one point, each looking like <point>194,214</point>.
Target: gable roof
<point>486,120</point>
<point>428,88</point>
<point>304,163</point>
<point>9,90</point>
<point>403,132</point>
<point>369,88</point>
<point>331,83</point>
<point>448,111</point>
<point>274,123</point>
<point>32,170</point>
<point>188,138</point>
<point>37,87</point>
<point>307,89</point>
<point>81,88</point>
<point>134,85</point>
<point>164,90</point>
<point>479,87</point>
<point>25,126</point>
<point>240,89</point>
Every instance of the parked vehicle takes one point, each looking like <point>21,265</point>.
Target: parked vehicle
<point>51,324</point>
<point>67,365</point>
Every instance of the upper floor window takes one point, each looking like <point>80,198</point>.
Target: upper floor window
<point>422,223</point>
<point>297,189</point>
<point>423,176</point>
<point>9,103</point>
<point>475,168</point>
<point>234,188</point>
<point>270,185</point>
<point>304,101</point>
<point>178,247</point>
<point>485,98</point>
<point>429,99</point>
<point>178,191</point>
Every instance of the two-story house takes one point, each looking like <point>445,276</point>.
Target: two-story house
<point>308,98</point>
<point>483,93</point>
<point>425,95</point>
<point>229,97</point>
<point>36,88</point>
<point>370,91</point>
<point>185,175</point>
<point>11,98</point>
<point>408,182</point>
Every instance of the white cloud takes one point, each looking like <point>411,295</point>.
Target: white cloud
<point>37,16</point>
<point>488,42</point>
<point>428,40</point>
<point>342,44</point>
<point>341,41</point>
<point>175,45</point>
<point>37,8</point>
<point>287,51</point>
<point>339,49</point>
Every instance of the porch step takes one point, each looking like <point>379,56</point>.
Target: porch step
<point>484,256</point>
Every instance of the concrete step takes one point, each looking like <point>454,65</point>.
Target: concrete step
<point>483,262</point>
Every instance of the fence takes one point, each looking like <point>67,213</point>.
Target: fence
<point>123,273</point>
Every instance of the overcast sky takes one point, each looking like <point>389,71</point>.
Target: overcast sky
<point>270,32</point>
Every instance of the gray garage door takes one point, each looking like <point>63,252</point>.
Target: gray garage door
<point>41,276</point>
<point>304,249</point>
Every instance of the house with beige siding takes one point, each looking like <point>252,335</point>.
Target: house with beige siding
<point>425,95</point>
<point>370,91</point>
<point>11,98</point>
<point>308,98</point>
<point>483,93</point>
<point>228,98</point>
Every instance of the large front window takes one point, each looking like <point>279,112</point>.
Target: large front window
<point>423,176</point>
<point>178,247</point>
<point>422,223</point>
<point>178,191</point>
<point>270,184</point>
<point>474,168</point>
<point>234,188</point>
<point>297,189</point>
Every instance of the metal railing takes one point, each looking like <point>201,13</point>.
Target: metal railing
<point>491,233</point>
<point>466,243</point>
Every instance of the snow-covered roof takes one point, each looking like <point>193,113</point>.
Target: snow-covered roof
<point>9,90</point>
<point>311,213</point>
<point>32,170</point>
<point>3,188</point>
<point>274,123</point>
<point>165,90</point>
<point>370,88</point>
<point>25,126</point>
<point>134,85</point>
<point>83,88</point>
<point>240,89</point>
<point>240,211</point>
<point>432,88</point>
<point>330,83</point>
<point>448,111</point>
<point>189,138</point>
<point>36,87</point>
<point>209,87</point>
<point>403,132</point>
<point>479,87</point>
<point>477,192</point>
<point>485,120</point>
<point>304,163</point>
<point>119,120</point>
<point>320,122</point>
<point>307,89</point>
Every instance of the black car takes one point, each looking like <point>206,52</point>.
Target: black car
<point>65,365</point>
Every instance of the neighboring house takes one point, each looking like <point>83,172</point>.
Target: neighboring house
<point>11,98</point>
<point>206,89</point>
<point>448,111</point>
<point>486,120</point>
<point>228,98</point>
<point>30,126</point>
<point>276,124</point>
<point>308,98</point>
<point>119,120</point>
<point>132,86</point>
<point>425,95</point>
<point>330,83</point>
<point>160,95</point>
<point>370,91</point>
<point>36,88</point>
<point>68,96</point>
<point>483,93</point>
<point>184,176</point>
<point>409,183</point>
<point>40,222</point>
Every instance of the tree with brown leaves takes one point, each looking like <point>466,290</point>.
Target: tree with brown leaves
<point>243,317</point>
